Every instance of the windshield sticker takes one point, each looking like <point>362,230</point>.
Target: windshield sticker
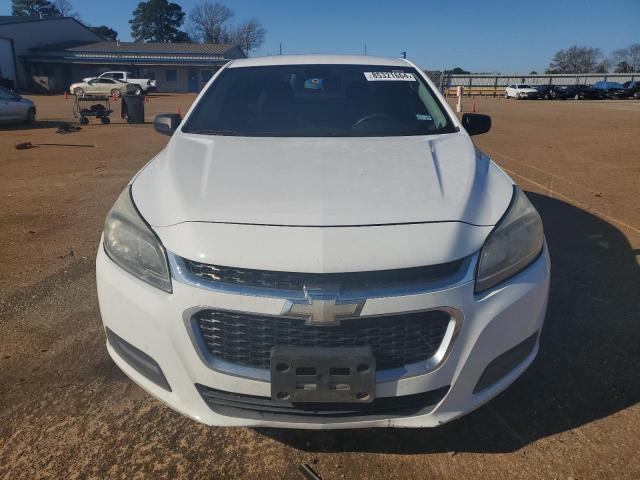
<point>420,116</point>
<point>389,77</point>
<point>313,83</point>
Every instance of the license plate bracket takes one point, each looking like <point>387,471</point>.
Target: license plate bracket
<point>322,374</point>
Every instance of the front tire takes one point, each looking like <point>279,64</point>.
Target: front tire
<point>78,92</point>
<point>31,115</point>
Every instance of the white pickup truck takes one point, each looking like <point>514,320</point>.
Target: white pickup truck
<point>144,85</point>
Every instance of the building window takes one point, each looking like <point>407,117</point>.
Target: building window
<point>148,74</point>
<point>206,75</point>
<point>171,75</point>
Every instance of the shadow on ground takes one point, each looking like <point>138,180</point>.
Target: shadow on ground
<point>37,125</point>
<point>588,363</point>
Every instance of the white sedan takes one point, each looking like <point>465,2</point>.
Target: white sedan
<point>15,109</point>
<point>321,245</point>
<point>520,91</point>
<point>102,86</point>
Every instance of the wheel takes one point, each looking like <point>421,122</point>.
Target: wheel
<point>31,115</point>
<point>138,91</point>
<point>115,93</point>
<point>78,92</point>
<point>105,120</point>
<point>506,95</point>
<point>84,120</point>
<point>577,97</point>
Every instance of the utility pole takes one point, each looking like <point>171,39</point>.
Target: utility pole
<point>280,48</point>
<point>365,49</point>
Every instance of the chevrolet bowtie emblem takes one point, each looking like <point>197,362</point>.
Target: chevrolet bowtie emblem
<point>322,308</point>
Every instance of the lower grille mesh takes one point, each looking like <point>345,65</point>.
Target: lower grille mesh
<point>246,339</point>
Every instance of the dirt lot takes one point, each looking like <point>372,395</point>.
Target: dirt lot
<point>66,411</point>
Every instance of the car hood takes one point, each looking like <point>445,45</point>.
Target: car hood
<point>321,181</point>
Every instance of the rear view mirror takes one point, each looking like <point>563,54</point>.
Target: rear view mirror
<point>167,123</point>
<point>476,123</point>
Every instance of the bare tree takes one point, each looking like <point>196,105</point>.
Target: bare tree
<point>208,22</point>
<point>66,9</point>
<point>577,60</point>
<point>629,57</point>
<point>249,35</point>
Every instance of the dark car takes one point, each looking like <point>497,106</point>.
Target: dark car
<point>633,89</point>
<point>584,92</point>
<point>552,92</point>
<point>613,89</point>
<point>544,91</point>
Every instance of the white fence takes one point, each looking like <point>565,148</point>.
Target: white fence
<point>480,80</point>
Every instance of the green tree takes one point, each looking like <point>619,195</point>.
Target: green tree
<point>157,21</point>
<point>105,32</point>
<point>34,8</point>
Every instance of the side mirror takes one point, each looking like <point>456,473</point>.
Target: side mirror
<point>476,123</point>
<point>167,123</point>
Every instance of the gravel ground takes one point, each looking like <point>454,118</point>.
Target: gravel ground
<point>66,411</point>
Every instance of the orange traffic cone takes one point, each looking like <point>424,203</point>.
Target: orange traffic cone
<point>179,112</point>
<point>146,99</point>
<point>66,95</point>
<point>473,107</point>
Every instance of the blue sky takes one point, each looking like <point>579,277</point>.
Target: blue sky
<point>504,36</point>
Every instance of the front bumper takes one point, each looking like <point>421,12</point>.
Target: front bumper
<point>493,323</point>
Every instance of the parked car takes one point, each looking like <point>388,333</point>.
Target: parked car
<point>143,85</point>
<point>612,89</point>
<point>15,109</point>
<point>102,86</point>
<point>520,91</point>
<point>335,253</point>
<point>584,92</point>
<point>633,88</point>
<point>628,89</point>
<point>551,92</point>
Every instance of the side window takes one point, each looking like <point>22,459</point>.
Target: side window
<point>171,75</point>
<point>118,76</point>
<point>107,75</point>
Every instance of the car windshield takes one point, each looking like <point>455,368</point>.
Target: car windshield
<point>319,101</point>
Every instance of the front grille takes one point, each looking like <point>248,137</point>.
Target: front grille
<point>396,340</point>
<point>263,408</point>
<point>345,281</point>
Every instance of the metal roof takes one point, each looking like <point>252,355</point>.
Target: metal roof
<point>139,47</point>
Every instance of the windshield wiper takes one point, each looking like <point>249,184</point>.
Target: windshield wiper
<point>214,132</point>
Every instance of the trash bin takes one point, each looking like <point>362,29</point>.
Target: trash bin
<point>133,108</point>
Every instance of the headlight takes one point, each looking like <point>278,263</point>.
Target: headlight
<point>131,243</point>
<point>515,242</point>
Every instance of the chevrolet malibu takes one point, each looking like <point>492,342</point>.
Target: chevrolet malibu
<point>321,245</point>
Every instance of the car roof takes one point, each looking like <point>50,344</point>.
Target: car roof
<point>318,60</point>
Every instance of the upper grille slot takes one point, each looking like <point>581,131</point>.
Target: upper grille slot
<point>396,339</point>
<point>349,281</point>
